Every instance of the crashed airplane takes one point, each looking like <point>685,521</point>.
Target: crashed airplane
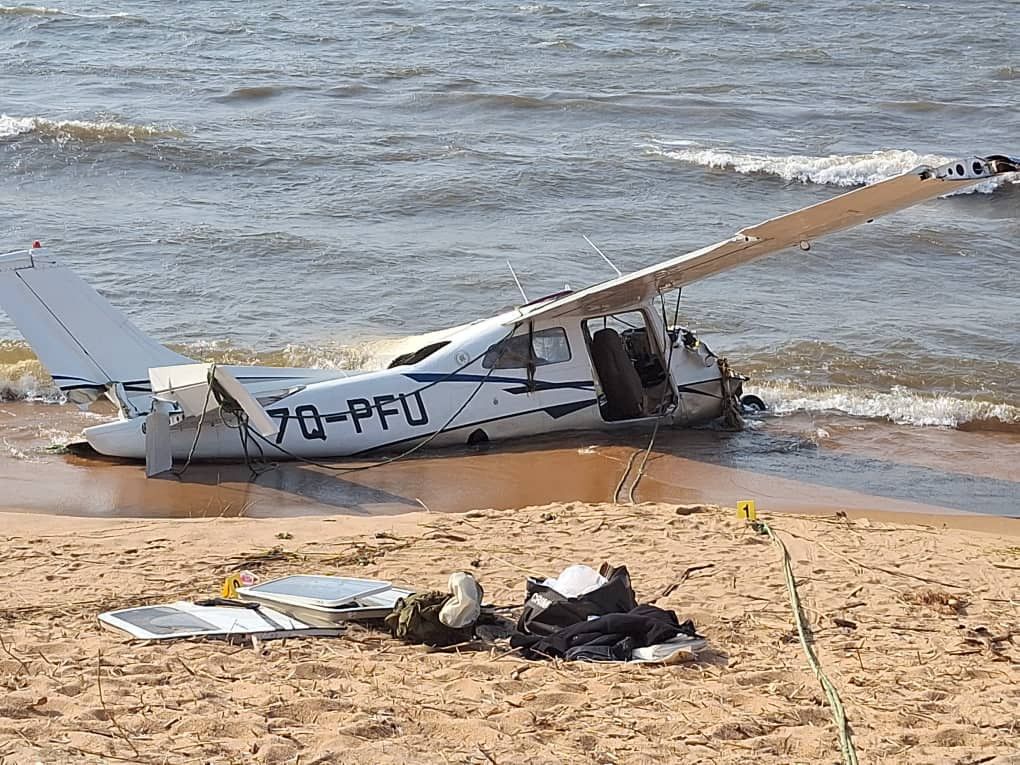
<point>601,357</point>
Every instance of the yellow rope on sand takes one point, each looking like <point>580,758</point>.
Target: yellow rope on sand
<point>838,713</point>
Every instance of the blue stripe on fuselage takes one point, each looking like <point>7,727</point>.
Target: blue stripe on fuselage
<point>437,377</point>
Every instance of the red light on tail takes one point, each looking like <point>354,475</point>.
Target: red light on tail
<point>36,245</point>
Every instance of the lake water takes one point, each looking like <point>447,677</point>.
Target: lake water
<point>307,182</point>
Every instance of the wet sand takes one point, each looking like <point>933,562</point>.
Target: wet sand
<point>916,627</point>
<point>789,464</point>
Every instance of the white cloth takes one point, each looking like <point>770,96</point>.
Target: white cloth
<point>465,606</point>
<point>576,580</point>
<point>680,648</point>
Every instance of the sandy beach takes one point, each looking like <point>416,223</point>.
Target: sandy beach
<point>924,652</point>
<point>266,185</point>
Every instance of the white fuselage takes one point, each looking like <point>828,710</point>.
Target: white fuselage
<point>455,395</point>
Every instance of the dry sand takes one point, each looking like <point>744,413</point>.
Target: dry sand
<point>927,663</point>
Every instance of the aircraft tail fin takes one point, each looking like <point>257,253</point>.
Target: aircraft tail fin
<point>85,343</point>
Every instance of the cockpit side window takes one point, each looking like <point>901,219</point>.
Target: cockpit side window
<point>543,347</point>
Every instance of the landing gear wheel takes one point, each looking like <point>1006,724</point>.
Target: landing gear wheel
<point>478,437</point>
<point>752,403</point>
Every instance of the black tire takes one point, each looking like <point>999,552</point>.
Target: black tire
<point>478,437</point>
<point>753,402</point>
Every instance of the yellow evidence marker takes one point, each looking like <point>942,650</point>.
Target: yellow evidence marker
<point>230,585</point>
<point>746,510</point>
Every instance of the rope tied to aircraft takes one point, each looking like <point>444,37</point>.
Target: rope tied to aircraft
<point>846,743</point>
<point>249,435</point>
<point>732,416</point>
<point>731,408</point>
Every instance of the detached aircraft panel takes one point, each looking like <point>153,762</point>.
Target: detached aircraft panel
<point>841,212</point>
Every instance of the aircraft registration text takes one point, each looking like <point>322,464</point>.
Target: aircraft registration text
<point>407,406</point>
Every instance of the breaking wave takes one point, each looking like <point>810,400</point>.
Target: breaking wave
<point>23,378</point>
<point>538,8</point>
<point>899,405</point>
<point>40,10</point>
<point>63,131</point>
<point>29,10</point>
<point>832,170</point>
<point>26,380</point>
<point>364,355</point>
<point>251,93</point>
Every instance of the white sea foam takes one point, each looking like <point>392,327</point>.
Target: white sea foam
<point>832,170</point>
<point>11,126</point>
<point>27,381</point>
<point>899,405</point>
<point>63,131</point>
<point>41,10</point>
<point>23,377</point>
<point>532,8</point>
<point>29,10</point>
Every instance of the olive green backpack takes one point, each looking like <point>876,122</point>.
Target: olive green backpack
<point>415,619</point>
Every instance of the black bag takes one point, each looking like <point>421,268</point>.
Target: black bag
<point>546,611</point>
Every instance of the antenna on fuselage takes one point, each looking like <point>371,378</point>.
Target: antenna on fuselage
<point>604,256</point>
<point>517,281</point>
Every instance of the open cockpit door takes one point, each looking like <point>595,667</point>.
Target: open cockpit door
<point>631,374</point>
<point>194,391</point>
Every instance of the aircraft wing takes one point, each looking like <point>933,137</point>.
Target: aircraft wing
<point>846,210</point>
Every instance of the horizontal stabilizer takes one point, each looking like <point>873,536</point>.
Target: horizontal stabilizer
<point>201,388</point>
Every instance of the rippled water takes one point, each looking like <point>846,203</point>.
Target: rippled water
<point>297,182</point>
